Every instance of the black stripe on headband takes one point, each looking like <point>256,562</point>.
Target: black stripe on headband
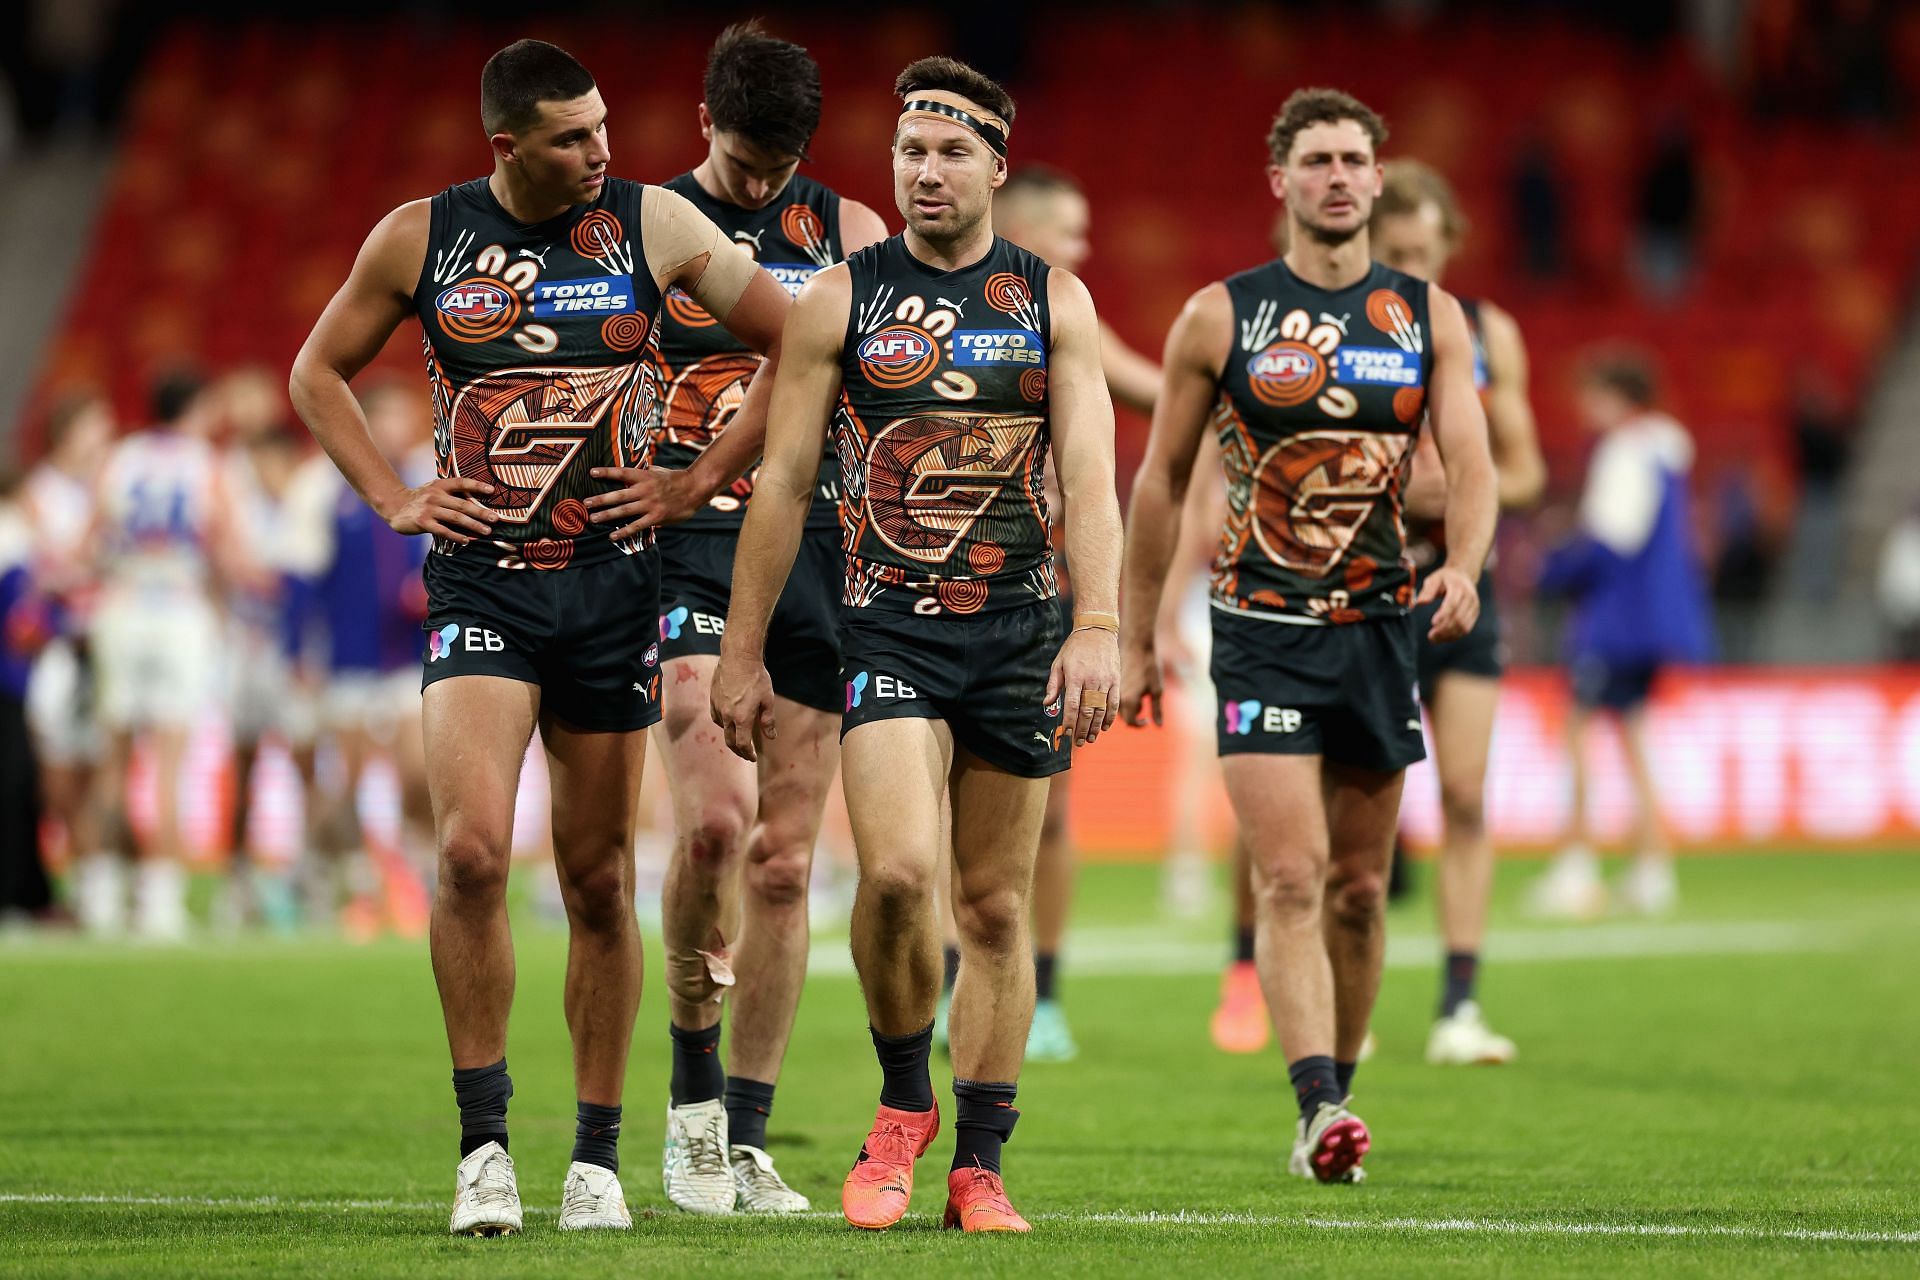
<point>993,137</point>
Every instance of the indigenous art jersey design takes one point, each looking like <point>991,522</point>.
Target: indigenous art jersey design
<point>1320,403</point>
<point>704,370</point>
<point>539,347</point>
<point>943,431</point>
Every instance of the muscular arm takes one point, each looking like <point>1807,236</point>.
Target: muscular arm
<point>1521,470</point>
<point>1132,379</point>
<point>377,296</point>
<point>1460,436</point>
<point>1196,349</point>
<point>803,399</point>
<point>1082,423</point>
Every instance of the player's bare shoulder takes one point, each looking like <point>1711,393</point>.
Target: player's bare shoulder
<point>1202,333</point>
<point>395,253</point>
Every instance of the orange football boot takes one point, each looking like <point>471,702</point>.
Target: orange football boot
<point>977,1201</point>
<point>877,1191</point>
<point>1240,1024</point>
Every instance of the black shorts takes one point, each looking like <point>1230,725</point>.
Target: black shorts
<point>586,636</point>
<point>803,638</point>
<point>1480,652</point>
<point>1343,692</point>
<point>1613,686</point>
<point>985,675</point>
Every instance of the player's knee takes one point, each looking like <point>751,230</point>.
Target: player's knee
<point>897,889</point>
<point>777,873</point>
<point>1357,899</point>
<point>992,920</point>
<point>1463,804</point>
<point>599,893</point>
<point>1289,888</point>
<point>473,864</point>
<point>716,834</point>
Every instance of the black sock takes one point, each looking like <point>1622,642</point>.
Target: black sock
<point>1343,1076</point>
<point>983,1121</point>
<point>482,1093</point>
<point>1242,945</point>
<point>749,1103</point>
<point>596,1135</point>
<point>1045,965</point>
<point>950,968</point>
<point>697,1074</point>
<point>1315,1081</point>
<point>1463,967</point>
<point>905,1084</point>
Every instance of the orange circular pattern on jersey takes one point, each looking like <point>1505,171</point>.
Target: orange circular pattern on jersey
<point>1408,402</point>
<point>1286,374</point>
<point>548,553</point>
<point>802,225</point>
<point>1388,312</point>
<point>893,377</point>
<point>623,333</point>
<point>570,517</point>
<point>987,557</point>
<point>1033,385</point>
<point>597,234</point>
<point>463,329</point>
<point>684,310</point>
<point>1360,571</point>
<point>1007,292</point>
<point>966,596</point>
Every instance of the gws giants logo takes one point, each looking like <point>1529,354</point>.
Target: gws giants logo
<point>930,479</point>
<point>897,356</point>
<point>518,429</point>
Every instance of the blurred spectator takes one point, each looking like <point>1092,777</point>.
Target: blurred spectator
<point>1669,213</point>
<point>1539,210</point>
<point>1823,443</point>
<point>24,890</point>
<point>1742,561</point>
<point>1900,587</point>
<point>1633,575</point>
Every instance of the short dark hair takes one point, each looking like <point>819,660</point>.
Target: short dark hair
<point>175,393</point>
<point>1411,184</point>
<point>1039,180</point>
<point>523,75</point>
<point>955,76</point>
<point>763,88</point>
<point>1624,369</point>
<point>1306,107</point>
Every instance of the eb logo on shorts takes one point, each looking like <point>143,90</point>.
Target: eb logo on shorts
<point>443,643</point>
<point>888,687</point>
<point>1244,716</point>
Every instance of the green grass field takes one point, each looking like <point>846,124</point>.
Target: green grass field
<point>1727,1092</point>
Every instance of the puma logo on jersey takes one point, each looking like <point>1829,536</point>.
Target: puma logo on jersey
<point>958,308</point>
<point>752,238</point>
<point>540,257</point>
<point>1339,322</point>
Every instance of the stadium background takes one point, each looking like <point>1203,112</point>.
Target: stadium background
<point>1723,185</point>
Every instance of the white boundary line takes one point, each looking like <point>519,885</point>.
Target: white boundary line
<point>1176,1218</point>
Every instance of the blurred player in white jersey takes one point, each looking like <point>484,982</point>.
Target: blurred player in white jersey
<point>258,461</point>
<point>161,517</point>
<point>60,699</point>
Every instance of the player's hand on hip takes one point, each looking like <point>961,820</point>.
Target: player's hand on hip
<point>1459,603</point>
<point>743,704</point>
<point>1087,672</point>
<point>648,497</point>
<point>1142,686</point>
<point>441,507</point>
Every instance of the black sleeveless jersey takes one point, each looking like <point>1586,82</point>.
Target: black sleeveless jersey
<point>538,345</point>
<point>1320,403</point>
<point>704,370</point>
<point>1427,539</point>
<point>942,432</point>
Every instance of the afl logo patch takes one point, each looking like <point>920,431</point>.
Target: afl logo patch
<point>478,309</point>
<point>1286,374</point>
<point>897,356</point>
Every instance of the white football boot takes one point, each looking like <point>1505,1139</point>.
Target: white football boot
<point>1465,1040</point>
<point>486,1199</point>
<point>694,1163</point>
<point>592,1200</point>
<point>1330,1148</point>
<point>760,1187</point>
<point>1570,889</point>
<point>1649,886</point>
<point>160,901</point>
